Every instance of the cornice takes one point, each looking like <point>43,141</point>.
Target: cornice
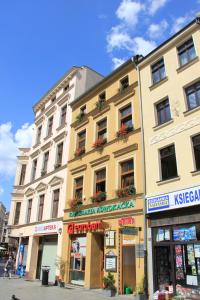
<point>60,136</point>
<point>99,161</point>
<point>125,150</point>
<point>34,154</point>
<point>46,146</point>
<point>78,169</point>
<point>50,111</point>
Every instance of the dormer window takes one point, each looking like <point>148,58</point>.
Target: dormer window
<point>83,110</point>
<point>102,97</point>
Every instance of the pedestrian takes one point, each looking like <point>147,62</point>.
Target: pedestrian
<point>9,266</point>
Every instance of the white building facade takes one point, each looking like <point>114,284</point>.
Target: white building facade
<point>39,191</point>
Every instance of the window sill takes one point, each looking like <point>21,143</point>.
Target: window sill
<point>157,127</point>
<point>155,85</point>
<point>48,136</point>
<point>196,172</point>
<point>61,126</point>
<point>188,64</point>
<point>160,182</point>
<point>190,111</point>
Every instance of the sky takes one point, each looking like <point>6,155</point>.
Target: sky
<point>41,40</point>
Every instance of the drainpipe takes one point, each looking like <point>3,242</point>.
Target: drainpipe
<point>136,60</point>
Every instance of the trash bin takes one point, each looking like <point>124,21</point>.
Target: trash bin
<point>45,275</point>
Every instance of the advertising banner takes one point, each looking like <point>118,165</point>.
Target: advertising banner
<point>174,200</point>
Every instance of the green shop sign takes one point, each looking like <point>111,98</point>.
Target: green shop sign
<point>103,209</point>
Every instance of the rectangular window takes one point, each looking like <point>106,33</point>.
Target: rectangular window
<point>186,52</point>
<point>17,213</point>
<point>45,162</point>
<point>63,115</point>
<point>50,126</point>
<point>102,97</point>
<point>22,175</point>
<point>34,167</point>
<point>56,194</point>
<point>29,211</point>
<point>102,129</point>
<point>100,180</point>
<point>66,88</point>
<point>193,95</point>
<point>124,83</point>
<point>196,147</point>
<point>78,188</point>
<point>127,173</point>
<point>41,207</point>
<point>59,155</point>
<point>158,71</point>
<point>83,110</point>
<point>39,132</point>
<point>168,162</point>
<point>126,116</point>
<point>81,140</point>
<point>163,112</point>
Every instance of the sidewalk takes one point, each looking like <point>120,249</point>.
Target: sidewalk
<point>32,290</point>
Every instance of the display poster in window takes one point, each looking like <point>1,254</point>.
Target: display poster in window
<point>78,247</point>
<point>190,253</point>
<point>191,280</point>
<point>163,235</point>
<point>179,262</point>
<point>198,266</point>
<point>184,233</point>
<point>197,251</point>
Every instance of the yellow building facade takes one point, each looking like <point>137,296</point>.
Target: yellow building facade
<point>103,218</point>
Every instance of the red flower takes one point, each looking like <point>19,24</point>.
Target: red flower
<point>99,142</point>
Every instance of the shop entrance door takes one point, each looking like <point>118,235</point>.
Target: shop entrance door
<point>163,266</point>
<point>97,261</point>
<point>128,267</point>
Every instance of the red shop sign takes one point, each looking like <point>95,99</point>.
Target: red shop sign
<point>76,228</point>
<point>126,221</point>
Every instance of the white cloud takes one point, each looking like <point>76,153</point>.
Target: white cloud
<point>129,10</point>
<point>9,144</point>
<point>180,22</point>
<point>117,62</point>
<point>1,190</point>
<point>118,38</point>
<point>155,5</point>
<point>156,30</point>
<point>142,46</point>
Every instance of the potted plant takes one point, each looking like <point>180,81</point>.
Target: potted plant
<point>61,265</point>
<point>100,105</point>
<point>99,143</point>
<point>99,196</point>
<point>79,152</point>
<point>109,285</point>
<point>124,130</point>
<point>125,192</point>
<point>80,117</point>
<point>74,203</point>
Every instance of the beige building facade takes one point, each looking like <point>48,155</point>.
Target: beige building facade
<point>170,100</point>
<point>39,191</point>
<point>103,221</point>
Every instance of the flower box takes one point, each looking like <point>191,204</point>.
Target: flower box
<point>98,197</point>
<point>100,105</point>
<point>80,117</point>
<point>79,152</point>
<point>99,143</point>
<point>124,130</point>
<point>125,192</point>
<point>74,203</point>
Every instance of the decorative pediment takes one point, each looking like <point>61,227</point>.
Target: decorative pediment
<point>29,191</point>
<point>55,181</point>
<point>41,186</point>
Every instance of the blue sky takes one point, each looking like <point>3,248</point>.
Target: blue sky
<point>41,40</point>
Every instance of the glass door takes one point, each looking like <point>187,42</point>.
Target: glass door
<point>163,268</point>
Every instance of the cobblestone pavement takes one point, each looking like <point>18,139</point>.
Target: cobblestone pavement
<point>32,290</point>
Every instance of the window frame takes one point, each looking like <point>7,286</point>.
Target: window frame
<point>79,187</point>
<point>29,209</point>
<point>96,182</point>
<point>50,128</point>
<point>63,115</point>
<point>81,140</point>
<point>195,159</point>
<point>18,206</point>
<point>40,212</point>
<point>179,51</point>
<point>158,69</point>
<point>123,174</point>
<point>124,86</point>
<point>100,131</point>
<point>130,115</point>
<point>59,157</point>
<point>197,100</point>
<point>45,162</point>
<point>160,162</point>
<point>54,213</point>
<point>34,169</point>
<point>39,134</point>
<point>22,174</point>
<point>158,118</point>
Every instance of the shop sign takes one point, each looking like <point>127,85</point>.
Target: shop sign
<point>178,199</point>
<point>46,228</point>
<point>110,262</point>
<point>126,221</point>
<point>76,228</point>
<point>128,235</point>
<point>130,230</point>
<point>103,209</point>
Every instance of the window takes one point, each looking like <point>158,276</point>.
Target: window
<point>39,131</point>
<point>100,180</point>
<point>186,52</point>
<point>78,188</point>
<point>81,140</point>
<point>83,110</point>
<point>50,126</point>
<point>29,211</point>
<point>168,162</point>
<point>102,97</point>
<point>127,173</point>
<point>102,129</point>
<point>59,155</point>
<point>124,83</point>
<point>22,175</point>
<point>193,95</point>
<point>45,162</point>
<point>34,167</point>
<point>63,115</point>
<point>56,194</point>
<point>66,88</point>
<point>163,112</point>
<point>158,71</point>
<point>41,207</point>
<point>53,99</point>
<point>126,116</point>
<point>196,147</point>
<point>17,213</point>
